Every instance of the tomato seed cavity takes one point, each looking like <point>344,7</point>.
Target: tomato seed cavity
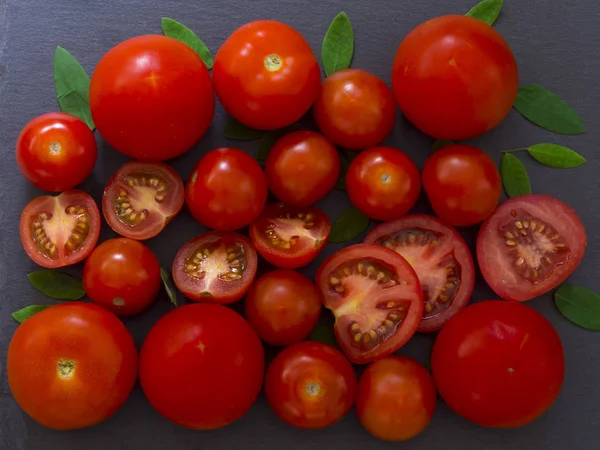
<point>277,240</point>
<point>233,262</point>
<point>122,204</point>
<point>372,269</point>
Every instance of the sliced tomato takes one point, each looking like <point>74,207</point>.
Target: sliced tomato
<point>376,298</point>
<point>440,258</point>
<point>61,230</point>
<point>218,266</point>
<point>288,236</point>
<point>141,199</point>
<point>529,246</point>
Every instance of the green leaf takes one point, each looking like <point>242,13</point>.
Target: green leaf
<point>487,11</point>
<point>580,305</point>
<point>514,176</point>
<point>438,145</point>
<point>166,279</point>
<point>57,285</point>
<point>546,110</point>
<point>556,156</point>
<point>72,85</point>
<point>25,313</point>
<point>323,331</point>
<point>178,31</point>
<point>240,132</point>
<point>338,45</point>
<point>350,224</point>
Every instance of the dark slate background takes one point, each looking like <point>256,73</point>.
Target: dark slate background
<point>556,44</point>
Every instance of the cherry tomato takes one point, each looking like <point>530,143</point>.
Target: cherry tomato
<point>266,75</point>
<point>310,385</point>
<point>151,97</point>
<point>71,365</point>
<point>529,246</point>
<point>376,298</point>
<point>498,364</point>
<point>455,77</point>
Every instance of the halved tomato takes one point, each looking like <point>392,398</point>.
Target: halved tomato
<point>141,198</point>
<point>288,236</point>
<point>529,246</point>
<point>218,266</point>
<point>440,258</point>
<point>376,298</point>
<point>61,230</point>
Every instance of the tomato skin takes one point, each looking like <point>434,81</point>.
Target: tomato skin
<point>48,342</point>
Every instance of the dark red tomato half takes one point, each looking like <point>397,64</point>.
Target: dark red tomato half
<point>376,298</point>
<point>441,259</point>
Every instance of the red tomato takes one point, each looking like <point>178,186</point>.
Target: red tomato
<point>441,259</point>
<point>227,189</point>
<point>56,152</point>
<point>310,385</point>
<point>266,75</point>
<point>376,298</point>
<point>122,275</point>
<point>142,198</point>
<point>498,364</point>
<point>302,167</point>
<point>455,77</point>
<point>71,365</point>
<point>383,183</point>
<point>396,399</point>
<point>202,366</point>
<point>61,230</point>
<point>529,246</point>
<point>463,184</point>
<point>290,237</point>
<point>151,97</point>
<point>355,109</point>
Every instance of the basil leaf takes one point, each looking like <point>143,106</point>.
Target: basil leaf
<point>166,279</point>
<point>350,224</point>
<point>579,305</point>
<point>514,176</point>
<point>57,285</point>
<point>338,45</point>
<point>178,31</point>
<point>25,313</point>
<point>438,145</point>
<point>240,132</point>
<point>323,331</point>
<point>556,156</point>
<point>487,11</point>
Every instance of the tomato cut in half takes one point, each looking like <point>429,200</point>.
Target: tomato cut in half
<point>218,266</point>
<point>530,245</point>
<point>61,230</point>
<point>141,199</point>
<point>376,298</point>
<point>288,236</point>
<point>439,256</point>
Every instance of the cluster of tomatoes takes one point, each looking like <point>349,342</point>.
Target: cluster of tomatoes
<point>202,365</point>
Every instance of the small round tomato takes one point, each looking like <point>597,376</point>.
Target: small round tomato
<point>71,365</point>
<point>376,299</point>
<point>151,97</point>
<point>310,385</point>
<point>227,189</point>
<point>455,77</point>
<point>122,275</point>
<point>56,152</point>
<point>355,109</point>
<point>202,366</point>
<point>529,246</point>
<point>142,198</point>
<point>383,183</point>
<point>266,75</point>
<point>396,398</point>
<point>462,183</point>
<point>498,364</point>
<point>290,237</point>
<point>61,230</point>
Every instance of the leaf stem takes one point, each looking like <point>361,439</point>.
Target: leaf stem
<point>522,149</point>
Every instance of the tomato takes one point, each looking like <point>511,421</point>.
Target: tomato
<point>71,365</point>
<point>462,183</point>
<point>529,246</point>
<point>266,75</point>
<point>441,259</point>
<point>302,167</point>
<point>310,385</point>
<point>498,364</point>
<point>290,237</point>
<point>122,275</point>
<point>202,366</point>
<point>56,152</point>
<point>455,77</point>
<point>227,189</point>
<point>376,298</point>
<point>383,183</point>
<point>61,230</point>
<point>396,398</point>
<point>151,97</point>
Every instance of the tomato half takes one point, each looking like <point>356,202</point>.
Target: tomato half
<point>529,246</point>
<point>376,298</point>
